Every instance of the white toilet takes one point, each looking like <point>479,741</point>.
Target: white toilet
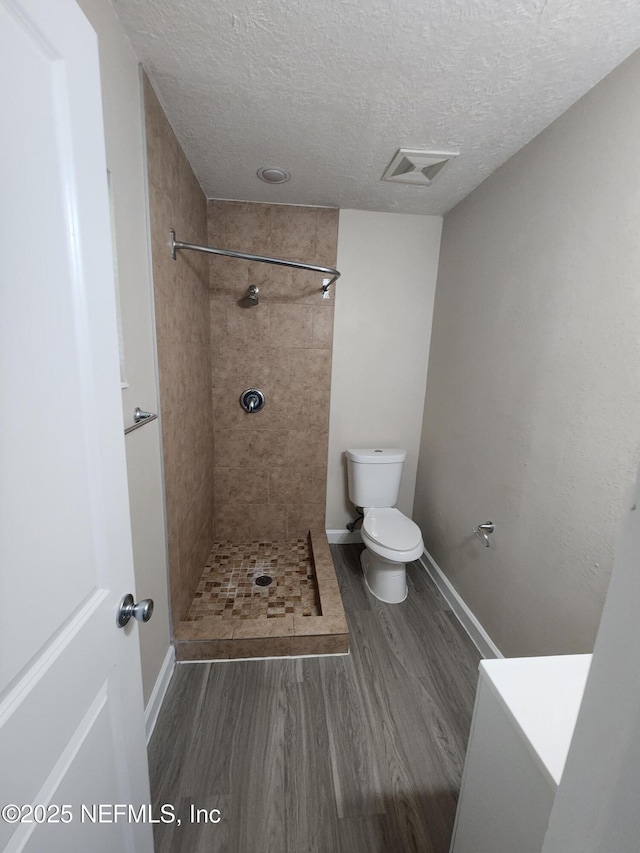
<point>391,539</point>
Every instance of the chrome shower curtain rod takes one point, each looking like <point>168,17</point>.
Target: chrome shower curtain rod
<point>245,256</point>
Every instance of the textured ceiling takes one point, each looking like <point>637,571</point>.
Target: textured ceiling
<point>329,90</point>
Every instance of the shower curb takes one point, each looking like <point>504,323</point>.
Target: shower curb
<point>218,638</point>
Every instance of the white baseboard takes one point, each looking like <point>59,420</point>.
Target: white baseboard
<point>467,619</point>
<point>343,537</point>
<point>158,693</point>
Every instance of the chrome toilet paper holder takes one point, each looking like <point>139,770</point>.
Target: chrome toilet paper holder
<point>482,531</point>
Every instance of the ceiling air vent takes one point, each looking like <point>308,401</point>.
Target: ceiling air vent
<point>412,166</point>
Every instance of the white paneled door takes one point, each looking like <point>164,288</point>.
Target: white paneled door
<point>71,716</point>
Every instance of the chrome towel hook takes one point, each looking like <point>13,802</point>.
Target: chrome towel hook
<point>482,531</point>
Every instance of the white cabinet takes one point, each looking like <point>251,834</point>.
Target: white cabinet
<point>523,721</point>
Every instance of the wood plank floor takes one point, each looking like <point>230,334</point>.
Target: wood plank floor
<point>324,755</point>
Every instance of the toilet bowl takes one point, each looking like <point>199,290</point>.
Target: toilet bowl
<point>391,539</point>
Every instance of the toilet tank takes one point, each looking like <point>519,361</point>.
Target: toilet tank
<point>374,475</point>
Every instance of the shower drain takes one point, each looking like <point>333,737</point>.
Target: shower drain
<point>264,580</point>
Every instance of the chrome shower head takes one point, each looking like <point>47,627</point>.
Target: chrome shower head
<point>252,294</point>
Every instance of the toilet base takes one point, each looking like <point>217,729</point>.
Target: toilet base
<point>385,579</point>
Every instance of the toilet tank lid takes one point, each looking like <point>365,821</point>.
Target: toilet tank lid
<point>369,455</point>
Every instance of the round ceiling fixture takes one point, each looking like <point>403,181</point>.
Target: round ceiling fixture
<point>273,176</point>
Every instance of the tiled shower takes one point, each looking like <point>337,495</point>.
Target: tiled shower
<point>244,491</point>
<point>270,468</point>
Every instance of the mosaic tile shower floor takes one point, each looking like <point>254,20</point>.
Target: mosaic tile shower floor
<point>227,587</point>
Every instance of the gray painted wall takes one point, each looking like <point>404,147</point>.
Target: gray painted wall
<point>122,108</point>
<point>381,332</point>
<point>532,411</point>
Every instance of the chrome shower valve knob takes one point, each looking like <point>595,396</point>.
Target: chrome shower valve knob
<point>252,400</point>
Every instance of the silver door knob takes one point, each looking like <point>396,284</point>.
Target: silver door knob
<point>142,611</point>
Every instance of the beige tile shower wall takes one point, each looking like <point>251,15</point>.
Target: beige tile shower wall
<point>181,291</point>
<point>270,469</point>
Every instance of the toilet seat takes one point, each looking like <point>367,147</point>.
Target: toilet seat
<point>391,534</point>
